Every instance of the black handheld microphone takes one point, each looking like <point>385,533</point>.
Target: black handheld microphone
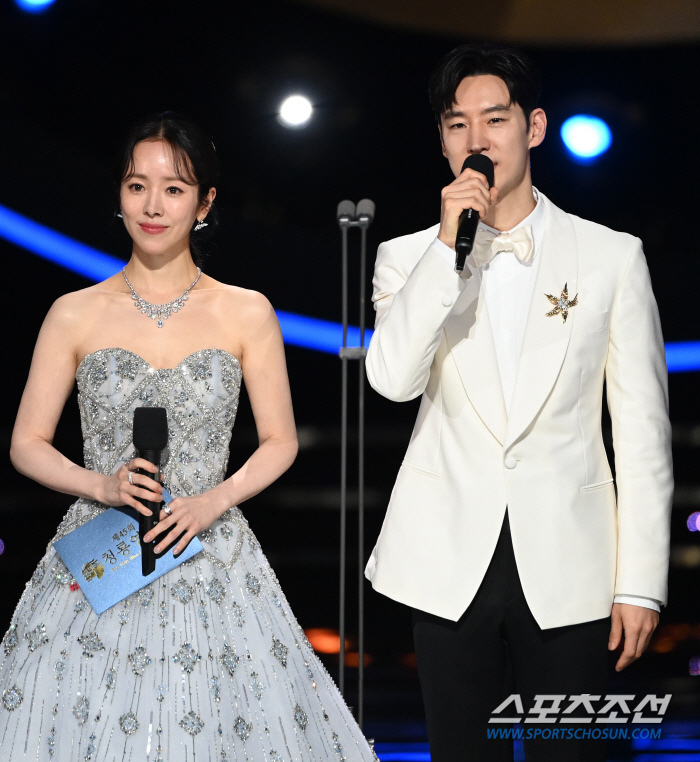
<point>150,439</point>
<point>469,219</point>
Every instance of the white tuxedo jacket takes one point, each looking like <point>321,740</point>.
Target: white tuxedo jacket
<point>575,544</point>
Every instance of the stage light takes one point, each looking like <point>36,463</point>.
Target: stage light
<point>2,547</point>
<point>586,137</point>
<point>34,6</point>
<point>297,330</point>
<point>295,111</point>
<point>693,521</point>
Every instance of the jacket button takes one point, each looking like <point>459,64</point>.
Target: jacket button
<point>511,462</point>
<point>447,301</point>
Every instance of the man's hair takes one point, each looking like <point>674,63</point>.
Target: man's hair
<point>516,69</point>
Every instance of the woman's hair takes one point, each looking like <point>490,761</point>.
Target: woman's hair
<point>516,69</point>
<point>194,159</point>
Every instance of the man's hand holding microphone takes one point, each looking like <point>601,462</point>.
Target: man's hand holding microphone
<point>464,202</point>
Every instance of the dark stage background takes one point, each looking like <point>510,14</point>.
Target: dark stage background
<point>74,77</point>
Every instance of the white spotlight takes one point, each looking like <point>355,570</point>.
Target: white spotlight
<point>295,111</point>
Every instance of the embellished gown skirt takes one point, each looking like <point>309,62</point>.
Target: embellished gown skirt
<point>205,663</point>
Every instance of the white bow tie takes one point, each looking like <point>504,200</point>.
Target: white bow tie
<point>487,245</point>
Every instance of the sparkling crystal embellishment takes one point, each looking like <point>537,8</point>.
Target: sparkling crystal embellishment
<point>51,741</point>
<point>256,686</point>
<point>302,719</point>
<point>562,303</point>
<point>186,657</point>
<point>91,748</point>
<point>161,690</point>
<point>182,591</point>
<point>110,679</point>
<point>279,651</point>
<point>216,590</point>
<point>229,659</point>
<point>81,710</point>
<point>237,615</point>
<point>191,724</point>
<point>36,637</point>
<point>338,748</point>
<point>160,312</point>
<point>145,595</point>
<point>12,698</point>
<point>226,531</point>
<point>91,643</point>
<point>61,575</point>
<point>208,535</point>
<point>139,660</point>
<point>60,667</point>
<point>128,723</point>
<point>252,583</point>
<point>10,640</point>
<point>242,728</point>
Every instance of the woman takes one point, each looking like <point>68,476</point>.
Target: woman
<point>209,656</point>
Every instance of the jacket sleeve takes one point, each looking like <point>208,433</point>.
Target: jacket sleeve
<point>637,393</point>
<point>412,306</point>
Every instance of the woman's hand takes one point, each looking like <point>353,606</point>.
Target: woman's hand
<point>187,514</point>
<point>120,490</point>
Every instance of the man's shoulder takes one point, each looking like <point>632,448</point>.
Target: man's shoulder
<point>600,234</point>
<point>418,241</point>
<point>595,234</point>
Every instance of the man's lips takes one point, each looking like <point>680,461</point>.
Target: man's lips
<point>152,229</point>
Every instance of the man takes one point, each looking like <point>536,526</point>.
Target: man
<point>503,532</point>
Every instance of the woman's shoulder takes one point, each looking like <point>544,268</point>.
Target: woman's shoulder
<point>75,306</point>
<point>241,303</point>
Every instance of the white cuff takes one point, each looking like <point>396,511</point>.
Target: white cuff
<point>448,254</point>
<point>638,600</point>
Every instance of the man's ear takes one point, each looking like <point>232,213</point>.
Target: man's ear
<point>538,127</point>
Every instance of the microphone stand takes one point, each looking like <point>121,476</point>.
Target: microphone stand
<point>348,217</point>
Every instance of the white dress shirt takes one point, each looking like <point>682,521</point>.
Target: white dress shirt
<point>507,285</point>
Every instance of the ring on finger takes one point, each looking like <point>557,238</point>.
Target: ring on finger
<point>166,510</point>
<point>131,478</point>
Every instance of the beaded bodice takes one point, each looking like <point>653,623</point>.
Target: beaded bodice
<point>200,395</point>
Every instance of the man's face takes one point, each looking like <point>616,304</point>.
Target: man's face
<point>483,120</point>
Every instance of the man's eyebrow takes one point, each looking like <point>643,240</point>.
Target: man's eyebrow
<point>491,109</point>
<point>497,107</point>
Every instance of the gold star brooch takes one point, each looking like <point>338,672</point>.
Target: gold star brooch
<point>562,303</point>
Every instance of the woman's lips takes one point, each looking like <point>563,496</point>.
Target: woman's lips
<point>152,229</point>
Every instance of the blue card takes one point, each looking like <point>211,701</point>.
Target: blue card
<point>104,556</point>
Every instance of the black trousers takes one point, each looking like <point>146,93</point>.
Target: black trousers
<point>467,668</point>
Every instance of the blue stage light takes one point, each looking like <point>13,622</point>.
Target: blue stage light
<point>667,757</point>
<point>56,247</point>
<point>34,6</point>
<point>298,330</point>
<point>586,137</point>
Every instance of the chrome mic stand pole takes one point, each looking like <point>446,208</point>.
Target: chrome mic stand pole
<point>346,214</point>
<point>361,217</point>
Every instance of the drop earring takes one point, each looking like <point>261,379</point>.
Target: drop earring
<point>200,224</point>
<point>119,214</point>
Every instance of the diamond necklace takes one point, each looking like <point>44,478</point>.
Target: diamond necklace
<point>160,312</point>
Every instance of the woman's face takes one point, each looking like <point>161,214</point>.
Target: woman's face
<point>158,208</point>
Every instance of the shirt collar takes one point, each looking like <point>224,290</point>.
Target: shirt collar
<point>535,220</point>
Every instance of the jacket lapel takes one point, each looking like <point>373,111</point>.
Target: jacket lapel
<point>546,338</point>
<point>470,339</point>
